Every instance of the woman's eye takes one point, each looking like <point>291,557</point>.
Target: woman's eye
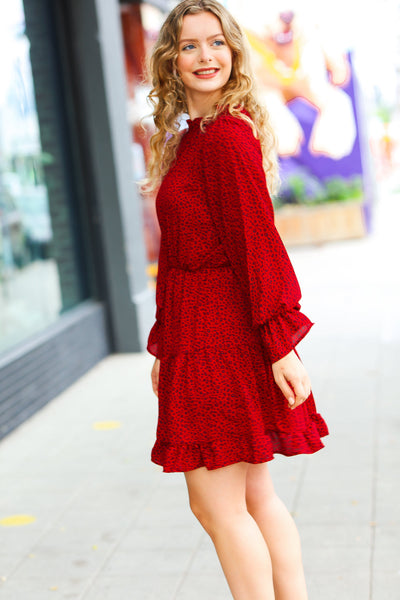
<point>219,42</point>
<point>188,47</point>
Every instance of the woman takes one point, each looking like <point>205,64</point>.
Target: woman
<point>231,388</point>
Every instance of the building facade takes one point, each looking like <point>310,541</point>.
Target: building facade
<point>74,277</point>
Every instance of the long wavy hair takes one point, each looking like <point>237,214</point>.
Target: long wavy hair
<point>169,101</point>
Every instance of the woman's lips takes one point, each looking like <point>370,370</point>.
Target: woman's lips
<point>206,73</point>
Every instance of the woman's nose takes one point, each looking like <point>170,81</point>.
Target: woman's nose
<point>204,55</point>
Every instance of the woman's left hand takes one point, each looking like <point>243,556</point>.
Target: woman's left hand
<point>292,379</point>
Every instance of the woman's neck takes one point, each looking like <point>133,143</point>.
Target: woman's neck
<point>201,106</point>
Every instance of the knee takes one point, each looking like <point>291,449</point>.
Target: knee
<point>258,501</point>
<point>215,518</point>
<point>202,513</point>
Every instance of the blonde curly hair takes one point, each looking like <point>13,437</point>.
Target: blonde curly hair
<point>169,101</point>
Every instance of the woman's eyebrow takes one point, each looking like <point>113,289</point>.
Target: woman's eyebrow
<point>195,40</point>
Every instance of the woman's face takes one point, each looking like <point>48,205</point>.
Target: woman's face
<point>204,61</point>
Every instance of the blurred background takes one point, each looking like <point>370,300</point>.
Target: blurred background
<point>83,511</point>
<point>79,243</point>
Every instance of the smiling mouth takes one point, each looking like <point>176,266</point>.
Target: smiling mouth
<point>206,71</point>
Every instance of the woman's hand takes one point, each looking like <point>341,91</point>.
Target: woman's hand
<point>292,379</point>
<point>154,376</point>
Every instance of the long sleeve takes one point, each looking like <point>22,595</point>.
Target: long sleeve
<point>154,342</point>
<point>242,212</point>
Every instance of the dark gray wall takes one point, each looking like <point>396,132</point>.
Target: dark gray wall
<point>43,366</point>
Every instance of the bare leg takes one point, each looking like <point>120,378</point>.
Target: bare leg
<point>218,500</point>
<point>280,533</point>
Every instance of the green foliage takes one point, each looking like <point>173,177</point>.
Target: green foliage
<point>335,189</point>
<point>338,189</point>
<point>384,113</point>
<point>298,187</point>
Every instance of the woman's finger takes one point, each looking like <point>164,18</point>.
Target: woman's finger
<point>286,389</point>
<point>301,399</point>
<point>299,390</point>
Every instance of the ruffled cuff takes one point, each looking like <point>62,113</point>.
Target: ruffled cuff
<point>154,340</point>
<point>283,332</point>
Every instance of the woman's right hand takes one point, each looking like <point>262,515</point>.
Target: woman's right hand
<point>155,375</point>
<point>292,378</point>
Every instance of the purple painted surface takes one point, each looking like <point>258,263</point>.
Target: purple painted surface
<point>313,167</point>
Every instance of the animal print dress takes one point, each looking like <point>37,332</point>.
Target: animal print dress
<point>227,308</point>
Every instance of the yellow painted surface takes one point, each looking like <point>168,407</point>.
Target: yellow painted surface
<point>17,520</point>
<point>105,425</point>
<point>152,269</point>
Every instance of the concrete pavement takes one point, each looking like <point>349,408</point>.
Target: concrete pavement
<point>103,523</point>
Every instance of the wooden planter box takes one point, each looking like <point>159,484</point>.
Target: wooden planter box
<point>321,223</point>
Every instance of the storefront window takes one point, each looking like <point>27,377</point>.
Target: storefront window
<point>31,295</point>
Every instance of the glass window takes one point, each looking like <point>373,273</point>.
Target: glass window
<point>31,282</point>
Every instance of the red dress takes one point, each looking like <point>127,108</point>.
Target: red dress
<point>227,308</point>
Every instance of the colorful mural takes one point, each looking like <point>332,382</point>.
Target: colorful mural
<point>312,96</point>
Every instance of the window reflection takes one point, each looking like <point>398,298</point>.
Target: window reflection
<point>29,283</point>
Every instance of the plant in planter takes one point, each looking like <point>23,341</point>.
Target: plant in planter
<point>299,187</point>
<point>309,210</point>
<point>338,189</point>
<point>309,191</point>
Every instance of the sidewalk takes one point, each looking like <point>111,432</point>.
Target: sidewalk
<point>110,526</point>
